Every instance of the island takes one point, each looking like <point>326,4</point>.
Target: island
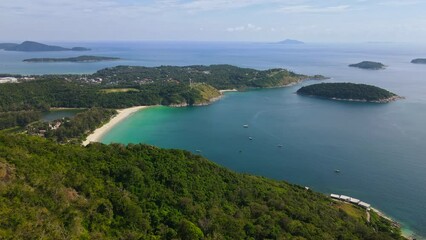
<point>419,61</point>
<point>30,46</point>
<point>72,59</point>
<point>349,92</point>
<point>368,65</point>
<point>291,42</point>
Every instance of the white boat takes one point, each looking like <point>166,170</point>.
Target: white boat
<point>245,125</point>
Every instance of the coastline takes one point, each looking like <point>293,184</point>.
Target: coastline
<point>404,232</point>
<point>121,115</point>
<point>386,100</point>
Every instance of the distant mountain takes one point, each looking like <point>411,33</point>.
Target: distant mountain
<point>29,46</point>
<point>291,41</point>
<point>419,61</point>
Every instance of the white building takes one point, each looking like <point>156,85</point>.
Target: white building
<point>8,80</point>
<point>364,205</point>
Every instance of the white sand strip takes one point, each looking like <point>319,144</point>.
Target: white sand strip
<point>122,114</point>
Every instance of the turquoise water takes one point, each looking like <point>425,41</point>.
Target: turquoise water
<point>379,148</point>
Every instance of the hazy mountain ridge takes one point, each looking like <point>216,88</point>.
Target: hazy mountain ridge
<point>30,46</point>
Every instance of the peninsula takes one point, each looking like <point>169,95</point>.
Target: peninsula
<point>368,65</point>
<point>29,46</point>
<point>349,92</point>
<point>419,61</point>
<point>80,59</point>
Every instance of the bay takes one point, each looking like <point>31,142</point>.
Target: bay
<point>380,149</point>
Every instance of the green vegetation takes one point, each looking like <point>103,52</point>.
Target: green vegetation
<point>119,90</point>
<point>52,191</point>
<point>348,91</point>
<point>150,86</point>
<point>368,65</point>
<point>419,61</point>
<point>207,93</point>
<point>53,92</point>
<point>29,46</point>
<point>352,210</point>
<point>20,118</point>
<point>219,76</point>
<point>72,59</point>
<point>74,129</point>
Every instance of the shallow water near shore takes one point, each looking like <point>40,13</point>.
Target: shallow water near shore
<point>379,149</point>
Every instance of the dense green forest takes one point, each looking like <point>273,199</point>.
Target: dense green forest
<point>73,129</point>
<point>368,65</point>
<point>348,91</point>
<point>20,118</point>
<point>43,94</point>
<point>52,191</point>
<point>219,76</point>
<point>193,85</point>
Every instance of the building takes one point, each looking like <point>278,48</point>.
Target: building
<point>8,80</point>
<point>335,196</point>
<point>364,205</point>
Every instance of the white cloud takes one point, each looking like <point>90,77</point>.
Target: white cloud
<point>313,9</point>
<point>248,27</point>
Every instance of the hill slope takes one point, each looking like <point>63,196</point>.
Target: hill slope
<point>53,191</point>
<point>348,91</point>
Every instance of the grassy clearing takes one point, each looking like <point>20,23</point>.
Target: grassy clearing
<point>352,210</point>
<point>119,90</point>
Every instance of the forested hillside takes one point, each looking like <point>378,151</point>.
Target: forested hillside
<point>52,191</point>
<point>348,91</point>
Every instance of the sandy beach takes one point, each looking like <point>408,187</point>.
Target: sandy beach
<point>122,114</point>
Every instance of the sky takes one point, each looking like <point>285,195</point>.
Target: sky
<point>213,20</point>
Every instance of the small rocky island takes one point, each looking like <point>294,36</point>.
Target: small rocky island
<point>29,46</point>
<point>368,65</point>
<point>291,42</point>
<point>419,61</point>
<point>349,92</point>
<point>79,59</point>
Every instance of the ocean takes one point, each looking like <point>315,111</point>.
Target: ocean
<point>379,149</point>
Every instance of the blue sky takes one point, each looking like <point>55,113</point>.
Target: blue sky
<point>213,20</point>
